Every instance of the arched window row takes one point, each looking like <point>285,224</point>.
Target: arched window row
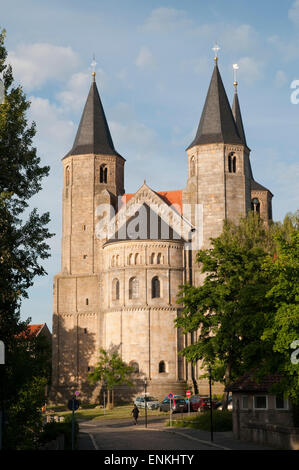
<point>134,258</point>
<point>115,260</point>
<point>156,258</point>
<point>134,288</point>
<point>232,163</point>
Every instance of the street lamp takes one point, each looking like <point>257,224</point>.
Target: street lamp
<point>145,403</point>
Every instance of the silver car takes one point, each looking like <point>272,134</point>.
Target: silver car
<point>151,402</point>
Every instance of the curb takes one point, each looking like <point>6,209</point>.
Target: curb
<point>93,441</point>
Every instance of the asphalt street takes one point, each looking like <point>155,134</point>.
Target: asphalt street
<point>124,435</point>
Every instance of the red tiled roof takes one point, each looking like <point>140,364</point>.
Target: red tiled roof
<point>33,330</point>
<point>170,197</point>
<point>173,198</point>
<point>248,383</point>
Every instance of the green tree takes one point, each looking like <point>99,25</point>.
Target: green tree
<point>112,371</point>
<point>23,236</point>
<point>283,328</point>
<point>230,309</point>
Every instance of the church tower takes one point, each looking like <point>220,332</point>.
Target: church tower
<point>219,170</point>
<point>93,175</point>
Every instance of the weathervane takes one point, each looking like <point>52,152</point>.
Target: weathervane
<point>93,66</point>
<point>236,68</point>
<point>216,48</point>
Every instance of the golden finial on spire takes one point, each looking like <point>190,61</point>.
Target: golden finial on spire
<point>93,66</point>
<point>236,68</point>
<point>216,48</point>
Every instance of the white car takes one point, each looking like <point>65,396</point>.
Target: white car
<point>151,402</point>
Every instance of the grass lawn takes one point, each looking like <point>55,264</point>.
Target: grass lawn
<point>123,411</point>
<point>222,421</point>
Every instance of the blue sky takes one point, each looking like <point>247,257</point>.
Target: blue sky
<point>154,63</point>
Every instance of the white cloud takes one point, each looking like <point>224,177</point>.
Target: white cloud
<point>35,64</point>
<point>166,20</point>
<point>133,135</point>
<point>51,124</point>
<point>293,12</point>
<point>75,94</point>
<point>250,70</point>
<point>145,58</point>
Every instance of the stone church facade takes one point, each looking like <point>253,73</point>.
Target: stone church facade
<point>124,256</point>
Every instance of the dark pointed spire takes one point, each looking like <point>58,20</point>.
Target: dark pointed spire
<point>93,135</point>
<point>217,123</point>
<point>238,116</point>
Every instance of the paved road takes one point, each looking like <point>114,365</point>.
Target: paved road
<point>124,435</point>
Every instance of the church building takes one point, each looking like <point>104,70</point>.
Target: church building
<point>124,256</point>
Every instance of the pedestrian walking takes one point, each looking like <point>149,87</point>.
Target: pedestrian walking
<point>135,413</point>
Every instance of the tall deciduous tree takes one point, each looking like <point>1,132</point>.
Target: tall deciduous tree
<point>22,237</point>
<point>283,329</point>
<point>230,310</point>
<point>111,370</point>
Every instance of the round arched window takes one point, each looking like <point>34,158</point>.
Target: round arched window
<point>115,289</point>
<point>133,288</point>
<point>155,287</point>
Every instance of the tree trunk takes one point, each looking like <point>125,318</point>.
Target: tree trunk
<point>112,392</point>
<point>227,380</point>
<point>193,370</point>
<point>108,399</point>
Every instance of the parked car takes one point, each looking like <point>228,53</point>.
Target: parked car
<point>204,404</point>
<point>178,404</point>
<point>151,402</point>
<point>195,401</point>
<point>229,404</point>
